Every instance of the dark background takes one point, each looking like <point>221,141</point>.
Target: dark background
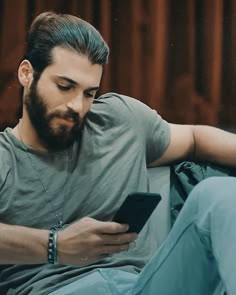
<point>178,57</point>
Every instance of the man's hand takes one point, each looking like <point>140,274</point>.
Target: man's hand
<point>90,240</point>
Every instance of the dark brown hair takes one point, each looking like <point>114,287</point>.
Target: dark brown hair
<point>50,29</point>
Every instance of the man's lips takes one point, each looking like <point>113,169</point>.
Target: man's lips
<point>67,121</point>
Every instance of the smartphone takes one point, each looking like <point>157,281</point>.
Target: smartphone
<point>136,209</point>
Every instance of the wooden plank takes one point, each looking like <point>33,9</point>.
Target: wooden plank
<point>137,23</point>
<point>120,47</point>
<point>179,94</point>
<point>213,49</point>
<point>156,70</point>
<point>105,30</point>
<point>13,34</point>
<point>59,6</point>
<point>86,10</point>
<point>14,20</point>
<point>228,106</point>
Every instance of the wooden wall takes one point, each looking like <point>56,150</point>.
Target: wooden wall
<point>179,57</point>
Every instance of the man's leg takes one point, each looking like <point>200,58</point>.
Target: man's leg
<point>198,257</point>
<point>100,282</point>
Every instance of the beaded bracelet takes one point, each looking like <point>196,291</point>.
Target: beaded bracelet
<point>52,245</point>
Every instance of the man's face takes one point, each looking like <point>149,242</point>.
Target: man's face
<point>58,102</point>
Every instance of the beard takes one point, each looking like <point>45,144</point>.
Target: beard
<point>52,138</point>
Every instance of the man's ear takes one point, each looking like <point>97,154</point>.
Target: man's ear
<point>25,73</point>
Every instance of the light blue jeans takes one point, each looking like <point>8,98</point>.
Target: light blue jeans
<point>197,258</point>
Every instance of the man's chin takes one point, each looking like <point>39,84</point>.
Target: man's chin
<point>58,146</point>
<point>60,142</point>
<point>58,137</point>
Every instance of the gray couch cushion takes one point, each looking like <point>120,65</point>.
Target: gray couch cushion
<point>159,178</point>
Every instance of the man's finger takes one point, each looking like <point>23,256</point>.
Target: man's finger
<point>110,227</point>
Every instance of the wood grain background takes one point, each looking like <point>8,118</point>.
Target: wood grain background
<point>178,57</point>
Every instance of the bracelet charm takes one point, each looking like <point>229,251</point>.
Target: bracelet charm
<point>52,246</point>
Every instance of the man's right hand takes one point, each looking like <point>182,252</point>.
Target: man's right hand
<point>89,240</point>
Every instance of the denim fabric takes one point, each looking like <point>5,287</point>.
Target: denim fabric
<point>101,282</point>
<point>197,258</point>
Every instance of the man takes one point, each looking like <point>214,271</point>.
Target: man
<point>69,164</point>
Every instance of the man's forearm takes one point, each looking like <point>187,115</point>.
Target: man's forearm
<point>214,145</point>
<point>22,245</point>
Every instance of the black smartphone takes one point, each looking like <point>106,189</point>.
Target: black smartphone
<point>136,209</point>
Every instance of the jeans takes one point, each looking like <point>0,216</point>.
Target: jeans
<point>197,258</point>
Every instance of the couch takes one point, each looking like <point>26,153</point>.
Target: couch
<point>159,179</point>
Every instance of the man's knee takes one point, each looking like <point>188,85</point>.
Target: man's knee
<point>215,190</point>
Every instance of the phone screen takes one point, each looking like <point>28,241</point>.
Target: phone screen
<point>136,210</point>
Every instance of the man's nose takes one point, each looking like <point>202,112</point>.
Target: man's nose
<point>77,105</point>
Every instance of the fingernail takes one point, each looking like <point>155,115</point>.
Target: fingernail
<point>126,227</point>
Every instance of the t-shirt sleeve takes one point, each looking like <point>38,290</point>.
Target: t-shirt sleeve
<point>157,136</point>
<point>152,130</point>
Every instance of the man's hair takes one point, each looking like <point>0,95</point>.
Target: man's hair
<point>49,30</point>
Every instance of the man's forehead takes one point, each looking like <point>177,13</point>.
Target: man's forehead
<point>61,54</point>
<point>72,65</point>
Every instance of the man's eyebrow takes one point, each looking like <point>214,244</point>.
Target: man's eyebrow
<point>68,80</point>
<point>95,88</point>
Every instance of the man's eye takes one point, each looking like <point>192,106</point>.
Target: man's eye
<point>64,87</point>
<point>87,94</point>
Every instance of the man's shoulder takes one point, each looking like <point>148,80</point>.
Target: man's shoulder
<point>112,111</point>
<point>5,157</point>
<point>116,99</point>
<point>123,106</point>
<point>3,140</point>
<point>5,145</point>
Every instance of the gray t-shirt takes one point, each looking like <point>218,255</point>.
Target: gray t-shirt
<point>120,137</point>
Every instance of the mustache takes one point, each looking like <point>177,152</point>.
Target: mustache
<point>68,115</point>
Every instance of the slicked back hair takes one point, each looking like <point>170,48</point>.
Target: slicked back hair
<point>49,30</point>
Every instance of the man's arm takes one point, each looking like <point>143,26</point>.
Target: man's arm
<point>22,245</point>
<point>196,142</point>
<point>87,237</point>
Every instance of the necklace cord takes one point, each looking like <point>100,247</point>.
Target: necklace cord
<point>58,216</point>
